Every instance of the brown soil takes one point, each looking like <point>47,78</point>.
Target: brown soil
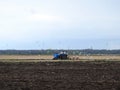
<point>60,76</point>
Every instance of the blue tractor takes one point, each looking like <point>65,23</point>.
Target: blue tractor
<point>62,56</point>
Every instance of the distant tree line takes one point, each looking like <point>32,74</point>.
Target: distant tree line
<point>50,52</point>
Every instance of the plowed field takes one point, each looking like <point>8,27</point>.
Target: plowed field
<point>60,75</point>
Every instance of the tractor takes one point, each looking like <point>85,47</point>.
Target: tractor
<point>61,56</point>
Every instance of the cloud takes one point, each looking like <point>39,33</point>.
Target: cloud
<point>42,17</point>
<point>28,20</point>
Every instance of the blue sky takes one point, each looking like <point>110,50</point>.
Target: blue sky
<point>57,24</point>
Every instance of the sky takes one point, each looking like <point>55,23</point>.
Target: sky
<point>59,24</point>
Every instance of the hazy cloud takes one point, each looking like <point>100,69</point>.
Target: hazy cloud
<point>44,20</point>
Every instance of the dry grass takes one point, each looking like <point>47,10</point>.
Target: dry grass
<point>100,57</point>
<point>26,57</point>
<point>49,57</point>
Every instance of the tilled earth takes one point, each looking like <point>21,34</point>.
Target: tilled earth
<point>60,76</point>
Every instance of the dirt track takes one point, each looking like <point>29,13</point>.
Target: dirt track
<point>60,76</point>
